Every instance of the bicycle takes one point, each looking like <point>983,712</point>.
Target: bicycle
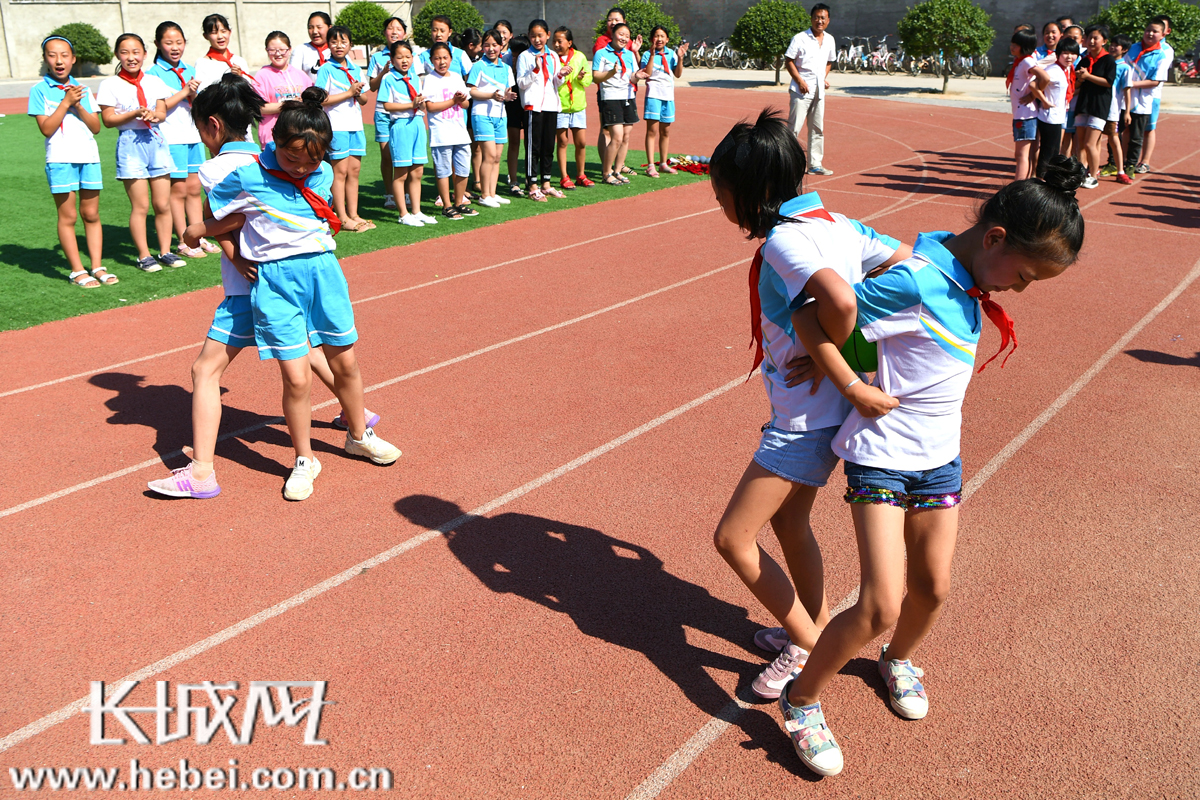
<point>880,57</point>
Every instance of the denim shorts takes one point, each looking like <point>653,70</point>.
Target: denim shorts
<point>1024,130</point>
<point>805,457</point>
<point>940,487</point>
<point>575,120</point>
<point>452,159</point>
<point>1086,121</point>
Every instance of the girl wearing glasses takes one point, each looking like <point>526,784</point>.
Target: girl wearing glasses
<point>277,82</point>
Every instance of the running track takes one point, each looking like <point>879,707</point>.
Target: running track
<point>575,383</point>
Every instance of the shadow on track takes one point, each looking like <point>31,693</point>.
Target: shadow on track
<point>1167,359</point>
<point>1174,215</point>
<point>611,589</point>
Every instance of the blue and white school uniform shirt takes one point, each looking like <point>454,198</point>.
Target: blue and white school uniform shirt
<point>1149,66</point>
<point>381,64</point>
<point>460,62</point>
<point>617,87</point>
<point>178,129</point>
<point>792,254</point>
<point>333,78</point>
<point>279,221</point>
<point>497,77</point>
<point>927,328</point>
<point>73,142</point>
<point>661,84</point>
<point>233,156</point>
<point>393,89</point>
<point>1119,86</point>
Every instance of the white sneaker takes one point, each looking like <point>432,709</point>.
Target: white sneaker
<point>372,447</point>
<point>501,200</point>
<point>412,221</point>
<point>428,220</point>
<point>390,202</point>
<point>299,484</point>
<point>811,737</point>
<point>1090,183</point>
<point>905,693</point>
<point>490,202</point>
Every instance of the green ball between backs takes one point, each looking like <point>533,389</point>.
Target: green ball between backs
<point>861,355</point>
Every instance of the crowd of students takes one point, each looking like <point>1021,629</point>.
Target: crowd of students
<point>460,102</point>
<point>1082,87</point>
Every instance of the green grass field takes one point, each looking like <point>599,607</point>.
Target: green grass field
<point>34,271</point>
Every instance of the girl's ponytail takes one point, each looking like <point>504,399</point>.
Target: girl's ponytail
<point>1041,217</point>
<point>233,101</point>
<point>761,166</point>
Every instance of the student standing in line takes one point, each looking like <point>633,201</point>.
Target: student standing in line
<point>1094,81</point>
<point>539,74</point>
<point>278,82</point>
<point>1024,109</point>
<point>1148,66</point>
<point>1050,90</point>
<point>312,55</point>
<point>572,119</point>
<point>218,60</point>
<point>1152,125</point>
<point>491,84</point>
<point>394,30</point>
<point>660,68</point>
<point>445,104</point>
<point>408,141</point>
<point>343,81</point>
<point>615,69</point>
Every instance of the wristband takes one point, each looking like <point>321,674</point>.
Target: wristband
<point>851,383</point>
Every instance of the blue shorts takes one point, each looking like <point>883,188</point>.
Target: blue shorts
<point>939,487</point>
<point>452,159</point>
<point>409,142</point>
<point>660,110</point>
<point>574,119</point>
<point>805,457</point>
<point>65,178</point>
<point>187,159</point>
<point>142,153</point>
<point>233,321</point>
<point>1024,130</point>
<point>298,301</point>
<point>1153,123</point>
<point>489,129</point>
<point>346,144</point>
<point>382,124</point>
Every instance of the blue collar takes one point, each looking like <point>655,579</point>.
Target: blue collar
<point>162,62</point>
<point>930,246</point>
<point>53,83</point>
<point>802,204</point>
<point>239,147</point>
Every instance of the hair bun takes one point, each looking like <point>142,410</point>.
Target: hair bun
<point>1065,174</point>
<point>314,96</point>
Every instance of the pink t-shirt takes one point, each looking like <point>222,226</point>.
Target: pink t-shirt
<point>275,86</point>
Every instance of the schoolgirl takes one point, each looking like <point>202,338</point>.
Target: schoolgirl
<point>343,81</point>
<point>400,96</point>
<point>491,85</point>
<point>440,31</point>
<point>471,41</point>
<point>572,119</point>
<point>222,114</point>
<point>312,55</point>
<point>615,68</point>
<point>756,174</point>
<point>187,154</point>
<point>1050,89</point>
<point>299,297</point>
<point>514,110</point>
<point>278,82</point>
<point>1047,52</point>
<point>394,30</point>
<point>67,115</point>
<point>219,59</point>
<point>1118,113</point>
<point>1075,34</point>
<point>539,74</point>
<point>902,459</point>
<point>445,104</point>
<point>1094,78</point>
<point>135,103</point>
<point>660,68</point>
<point>1024,109</point>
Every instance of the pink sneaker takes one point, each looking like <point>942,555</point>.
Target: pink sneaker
<point>780,672</point>
<point>339,421</point>
<point>209,247</point>
<point>182,484</point>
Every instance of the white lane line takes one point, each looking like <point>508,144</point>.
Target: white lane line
<point>682,758</point>
<point>427,284</point>
<point>407,376</point>
<point>71,709</point>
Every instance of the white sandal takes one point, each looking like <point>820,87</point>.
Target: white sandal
<point>108,279</point>
<point>90,282</point>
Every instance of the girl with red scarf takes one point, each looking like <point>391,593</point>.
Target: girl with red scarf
<point>1094,78</point>
<point>219,59</point>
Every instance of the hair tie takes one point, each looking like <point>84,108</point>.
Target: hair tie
<point>63,38</point>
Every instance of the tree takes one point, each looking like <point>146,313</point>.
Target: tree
<point>1130,17</point>
<point>766,30</point>
<point>365,21</point>
<point>952,27</point>
<point>641,16</point>
<point>462,16</point>
<point>89,43</point>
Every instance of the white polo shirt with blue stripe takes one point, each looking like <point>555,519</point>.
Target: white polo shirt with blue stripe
<point>792,254</point>
<point>1153,66</point>
<point>178,127</point>
<point>73,142</point>
<point>927,328</point>
<point>279,221</point>
<point>233,156</point>
<point>460,62</point>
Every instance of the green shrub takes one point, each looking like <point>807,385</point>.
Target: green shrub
<point>462,16</point>
<point>954,27</point>
<point>1130,17</point>
<point>90,44</point>
<point>365,21</point>
<point>641,16</point>
<point>766,30</point>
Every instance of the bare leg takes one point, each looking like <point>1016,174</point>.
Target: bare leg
<point>477,166</point>
<point>664,141</point>
<point>160,197</point>
<point>580,150</point>
<point>415,174</point>
<point>622,146</point>
<point>443,186</point>
<point>399,180</point>
<point>348,386</point>
<point>297,403</point>
<point>207,370</point>
<point>1021,157</point>
<point>386,170</point>
<point>460,189</point>
<point>1148,145</point>
<point>139,209</point>
<point>179,218</point>
<point>340,169</point>
<point>352,172</point>
<point>65,201</point>
<point>89,209</point>
<point>651,146</point>
<point>930,536</point>
<point>561,138</point>
<point>514,153</point>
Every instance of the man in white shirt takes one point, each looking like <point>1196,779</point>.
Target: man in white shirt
<point>809,58</point>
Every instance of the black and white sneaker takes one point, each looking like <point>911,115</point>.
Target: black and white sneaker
<point>170,260</point>
<point>148,264</point>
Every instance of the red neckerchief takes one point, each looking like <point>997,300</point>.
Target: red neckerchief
<point>346,70</point>
<point>1091,60</point>
<point>1070,71</point>
<point>225,55</point>
<point>1156,46</point>
<point>320,55</point>
<point>620,60</point>
<point>177,70</point>
<point>1012,71</point>
<point>137,83</point>
<point>63,88</point>
<point>570,80</point>
<point>315,201</point>
<point>412,92</point>
<point>756,303</point>
<point>666,64</point>
<point>1001,320</point>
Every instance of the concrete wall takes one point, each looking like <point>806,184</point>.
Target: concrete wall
<point>26,22</point>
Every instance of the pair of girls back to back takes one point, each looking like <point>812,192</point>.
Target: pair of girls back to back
<point>899,436</point>
<point>285,292</point>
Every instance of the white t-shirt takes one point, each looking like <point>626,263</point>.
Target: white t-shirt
<point>449,126</point>
<point>305,58</point>
<point>209,70</point>
<point>792,254</point>
<point>346,115</point>
<point>1056,94</point>
<point>810,58</point>
<point>1020,88</point>
<point>73,142</point>
<point>491,77</point>
<point>121,95</point>
<point>212,172</point>
<point>617,87</point>
<point>661,83</point>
